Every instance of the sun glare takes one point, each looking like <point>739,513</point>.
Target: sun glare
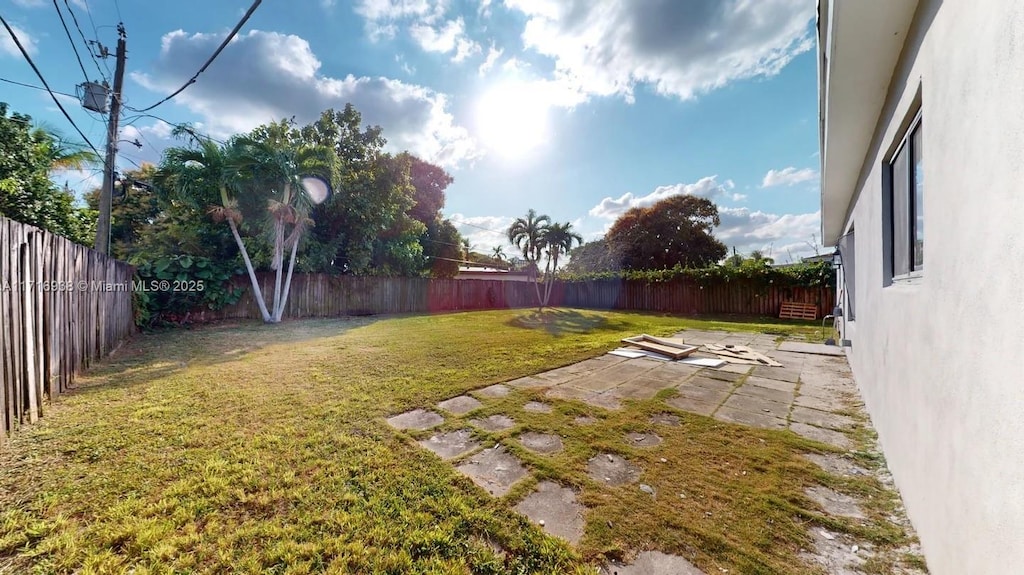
<point>512,120</point>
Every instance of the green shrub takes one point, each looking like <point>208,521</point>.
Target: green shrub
<point>170,287</point>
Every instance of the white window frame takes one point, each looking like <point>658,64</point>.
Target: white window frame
<point>914,272</point>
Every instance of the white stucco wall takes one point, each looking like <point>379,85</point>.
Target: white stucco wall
<point>941,362</point>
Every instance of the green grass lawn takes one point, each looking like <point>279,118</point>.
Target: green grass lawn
<point>263,449</point>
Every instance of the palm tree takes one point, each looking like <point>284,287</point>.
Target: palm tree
<point>206,176</point>
<point>559,239</point>
<point>498,253</point>
<point>281,172</point>
<point>466,249</point>
<point>527,234</point>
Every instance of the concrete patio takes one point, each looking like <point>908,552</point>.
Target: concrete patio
<point>812,395</point>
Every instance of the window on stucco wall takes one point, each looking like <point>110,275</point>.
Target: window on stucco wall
<point>906,198</point>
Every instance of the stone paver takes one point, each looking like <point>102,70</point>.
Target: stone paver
<point>495,391</point>
<point>529,383</point>
<point>764,393</point>
<point>451,445</point>
<point>612,470</point>
<point>721,374</point>
<point>715,396</point>
<point>642,439</point>
<point>744,417</point>
<point>416,420</point>
<point>460,405</point>
<point>835,503</point>
<point>653,563</point>
<point>494,423</point>
<point>831,403</point>
<point>777,373</point>
<point>787,386</point>
<point>813,348</point>
<point>736,368</point>
<point>495,470</point>
<point>555,508</point>
<point>666,419</point>
<point>823,435</point>
<point>544,443</point>
<point>707,382</point>
<point>841,465</point>
<point>692,405</point>
<point>584,420</point>
<point>537,407</point>
<point>822,418</point>
<point>757,405</point>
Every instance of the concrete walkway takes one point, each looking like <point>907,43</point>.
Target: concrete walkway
<point>809,395</point>
<point>812,394</point>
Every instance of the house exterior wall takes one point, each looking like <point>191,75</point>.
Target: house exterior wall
<point>940,360</point>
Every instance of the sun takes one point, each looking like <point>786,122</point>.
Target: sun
<point>512,119</point>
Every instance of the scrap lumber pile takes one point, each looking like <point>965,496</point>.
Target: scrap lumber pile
<point>740,354</point>
<point>675,349</point>
<point>670,347</point>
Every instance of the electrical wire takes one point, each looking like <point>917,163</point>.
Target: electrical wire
<point>16,83</point>
<point>74,19</point>
<point>28,59</point>
<point>70,39</point>
<point>212,57</point>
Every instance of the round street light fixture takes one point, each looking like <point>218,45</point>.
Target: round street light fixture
<point>317,188</point>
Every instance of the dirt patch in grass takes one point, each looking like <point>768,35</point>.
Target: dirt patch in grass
<point>253,449</point>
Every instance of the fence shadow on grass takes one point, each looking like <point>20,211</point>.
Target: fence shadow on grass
<point>151,356</point>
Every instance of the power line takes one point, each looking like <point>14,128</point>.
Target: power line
<point>185,127</point>
<point>213,57</point>
<point>465,223</point>
<point>82,34</point>
<point>35,87</point>
<point>70,39</point>
<point>28,59</point>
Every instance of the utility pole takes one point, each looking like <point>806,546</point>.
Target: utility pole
<point>102,244</point>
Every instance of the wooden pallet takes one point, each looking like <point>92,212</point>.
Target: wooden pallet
<point>797,310</point>
<point>673,348</point>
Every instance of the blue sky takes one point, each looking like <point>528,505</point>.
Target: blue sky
<point>577,108</point>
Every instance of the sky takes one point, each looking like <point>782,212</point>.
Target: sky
<point>579,109</point>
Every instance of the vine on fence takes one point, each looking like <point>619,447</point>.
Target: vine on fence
<point>818,274</point>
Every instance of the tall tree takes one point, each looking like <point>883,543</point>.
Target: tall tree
<point>498,253</point>
<point>207,176</point>
<point>278,172</point>
<point>558,239</point>
<point>430,183</point>
<point>527,234</point>
<point>442,246</point>
<point>28,154</point>
<point>594,257</point>
<point>674,231</point>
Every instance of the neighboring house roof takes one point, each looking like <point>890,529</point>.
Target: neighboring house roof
<point>487,273</point>
<point>859,44</point>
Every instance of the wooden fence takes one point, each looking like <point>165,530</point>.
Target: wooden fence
<point>316,295</point>
<point>62,305</point>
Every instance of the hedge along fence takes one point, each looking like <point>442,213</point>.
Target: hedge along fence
<point>319,295</point>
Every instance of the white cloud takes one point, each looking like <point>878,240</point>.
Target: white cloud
<point>265,76</point>
<point>484,232</point>
<point>707,187</point>
<point>788,177</point>
<point>450,37</point>
<point>683,49</point>
<point>493,53</point>
<point>381,16</point>
<point>785,235</point>
<point>7,45</point>
<point>484,9</point>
